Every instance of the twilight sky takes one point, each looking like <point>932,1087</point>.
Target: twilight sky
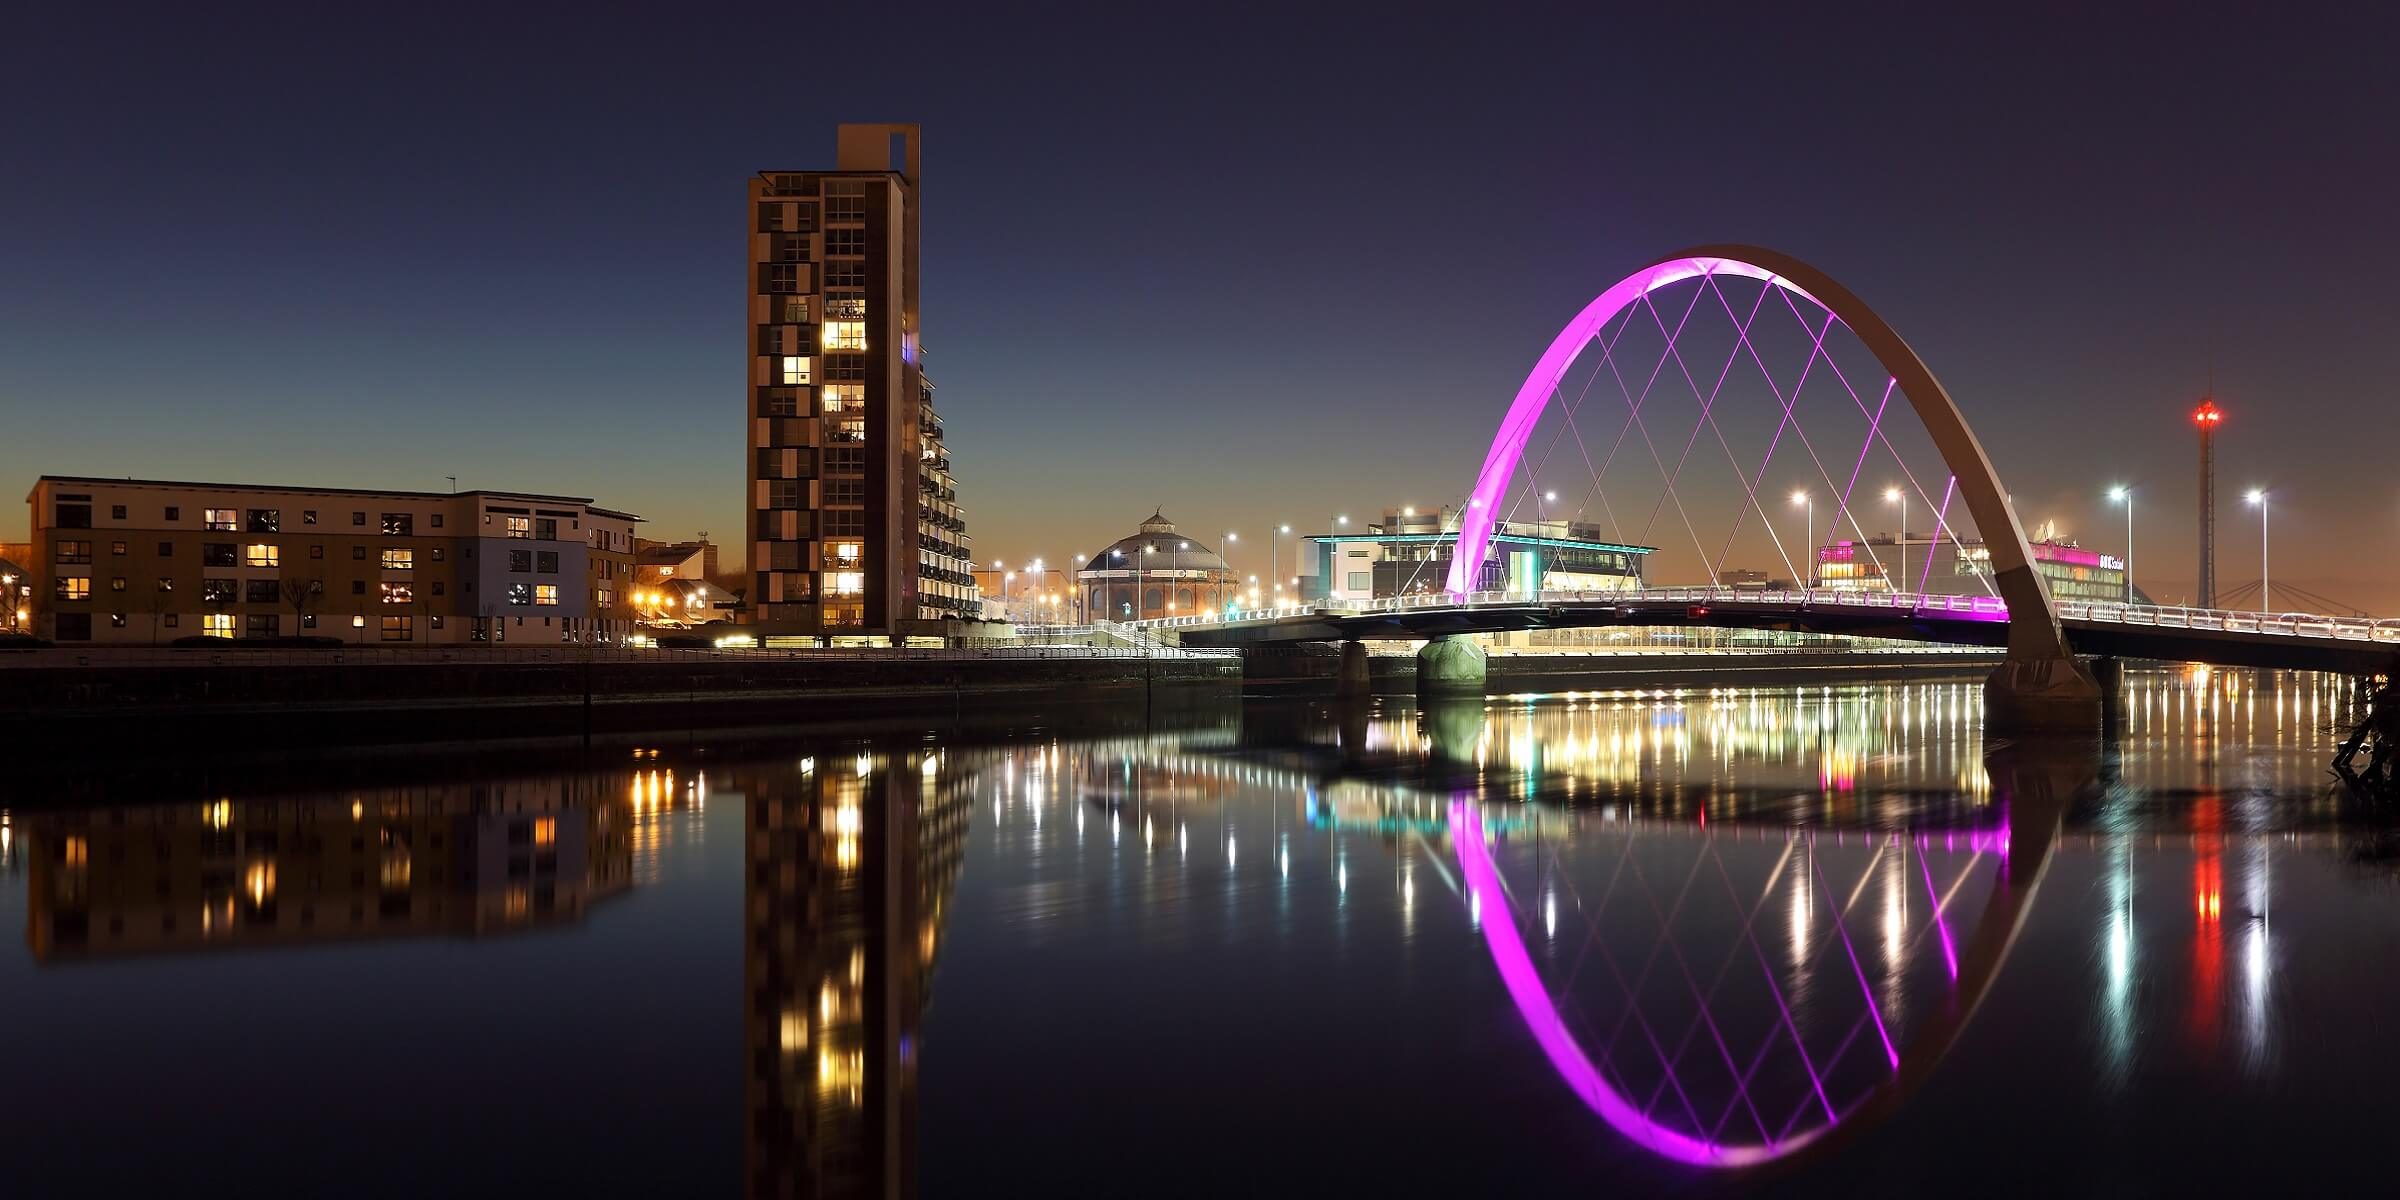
<point>1249,265</point>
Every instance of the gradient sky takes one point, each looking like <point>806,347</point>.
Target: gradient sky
<point>1249,265</point>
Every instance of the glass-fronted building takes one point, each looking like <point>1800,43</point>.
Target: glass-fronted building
<point>1409,552</point>
<point>1963,568</point>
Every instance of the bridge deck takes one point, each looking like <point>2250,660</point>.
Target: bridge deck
<point>2298,641</point>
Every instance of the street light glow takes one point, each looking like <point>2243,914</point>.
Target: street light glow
<point>1800,497</point>
<point>2256,496</point>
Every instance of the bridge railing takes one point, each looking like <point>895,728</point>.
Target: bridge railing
<point>1986,608</point>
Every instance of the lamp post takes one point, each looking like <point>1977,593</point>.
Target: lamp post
<point>1895,494</point>
<point>1148,549</point>
<point>1808,569</point>
<point>1226,553</point>
<point>1083,612</point>
<point>1340,521</point>
<point>2124,495</point>
<point>1119,555</point>
<point>2258,496</point>
<point>1275,554</point>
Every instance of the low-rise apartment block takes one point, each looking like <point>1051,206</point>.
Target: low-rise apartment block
<point>137,562</point>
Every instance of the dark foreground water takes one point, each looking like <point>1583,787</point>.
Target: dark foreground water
<point>1765,940</point>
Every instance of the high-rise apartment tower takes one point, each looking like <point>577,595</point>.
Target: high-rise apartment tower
<point>855,527</point>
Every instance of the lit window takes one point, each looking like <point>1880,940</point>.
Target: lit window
<point>849,583</point>
<point>399,593</point>
<point>520,593</point>
<point>218,518</point>
<point>74,552</point>
<point>266,520</point>
<point>262,555</point>
<point>845,335</point>
<point>792,369</point>
<point>216,624</point>
<point>399,629</point>
<point>74,587</point>
<point>545,831</point>
<point>838,397</point>
<point>545,593</point>
<point>399,524</point>
<point>399,560</point>
<point>846,552</point>
<point>520,527</point>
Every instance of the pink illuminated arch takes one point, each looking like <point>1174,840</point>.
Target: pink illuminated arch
<point>2033,622</point>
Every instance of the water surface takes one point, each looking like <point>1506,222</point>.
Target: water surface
<point>1819,940</point>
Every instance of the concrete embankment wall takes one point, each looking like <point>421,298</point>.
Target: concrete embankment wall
<point>148,709</point>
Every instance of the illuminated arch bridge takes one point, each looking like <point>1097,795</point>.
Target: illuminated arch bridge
<point>1691,393</point>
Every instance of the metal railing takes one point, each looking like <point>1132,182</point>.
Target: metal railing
<point>483,655</point>
<point>1985,608</point>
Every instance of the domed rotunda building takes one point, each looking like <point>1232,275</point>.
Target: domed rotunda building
<point>1172,574</point>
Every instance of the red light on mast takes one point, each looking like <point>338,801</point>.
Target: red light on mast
<point>2207,414</point>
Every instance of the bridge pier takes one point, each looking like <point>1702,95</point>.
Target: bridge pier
<point>2041,696</point>
<point>1450,666</point>
<point>1355,677</point>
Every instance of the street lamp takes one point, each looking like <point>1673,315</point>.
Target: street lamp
<point>1139,603</point>
<point>1082,610</point>
<point>1275,551</point>
<point>1808,571</point>
<point>2258,496</point>
<point>1226,553</point>
<point>2124,495</point>
<point>1895,494</point>
<point>1119,555</point>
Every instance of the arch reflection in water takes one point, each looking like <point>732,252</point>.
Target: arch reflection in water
<point>1665,1014</point>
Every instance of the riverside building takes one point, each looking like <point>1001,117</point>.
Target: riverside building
<point>856,534</point>
<point>144,561</point>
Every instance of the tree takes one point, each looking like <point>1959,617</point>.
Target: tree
<point>300,594</point>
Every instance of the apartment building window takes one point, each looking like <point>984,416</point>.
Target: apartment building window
<point>358,554</point>
<point>853,429</point>
<point>520,561</point>
<point>545,562</point>
<point>217,518</point>
<point>358,518</point>
<point>545,529</point>
<point>793,369</point>
<point>398,593</point>
<point>844,522</point>
<point>603,597</point>
<point>780,402</point>
<point>261,591</point>
<point>399,629</point>
<point>545,593</point>
<point>399,560</point>
<point>74,516</point>
<point>520,527</point>
<point>116,620</point>
<point>398,524</point>
<point>216,625</point>
<point>850,242</point>
<point>308,516</point>
<point>116,549</point>
<point>172,621</point>
<point>437,520</point>
<point>852,308</point>
<point>166,583</point>
<point>845,335</point>
<point>437,621</point>
<point>316,549</point>
<point>845,366</point>
<point>845,491</point>
<point>437,590</point>
<point>166,549</point>
<point>783,493</point>
<point>793,311</point>
<point>308,620</point>
<point>216,554</point>
<point>74,552</point>
<point>520,594</point>
<point>437,554</point>
<point>73,587</point>
<point>261,625</point>
<point>117,584</point>
<point>842,397</point>
<point>174,512</point>
<point>783,277</point>
<point>262,555</point>
<point>265,520</point>
<point>116,512</point>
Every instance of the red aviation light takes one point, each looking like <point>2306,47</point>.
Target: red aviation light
<point>2207,415</point>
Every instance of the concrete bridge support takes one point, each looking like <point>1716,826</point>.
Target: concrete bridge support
<point>2031,696</point>
<point>1355,678</point>
<point>1450,666</point>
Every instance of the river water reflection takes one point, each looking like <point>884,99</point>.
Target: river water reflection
<point>1753,940</point>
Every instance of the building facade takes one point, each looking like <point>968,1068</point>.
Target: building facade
<point>856,534</point>
<point>143,562</point>
<point>1156,573</point>
<point>1408,554</point>
<point>1962,568</point>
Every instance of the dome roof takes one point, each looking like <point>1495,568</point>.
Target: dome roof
<point>1166,549</point>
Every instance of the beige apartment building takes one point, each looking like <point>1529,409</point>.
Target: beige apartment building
<point>855,531</point>
<point>144,562</point>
